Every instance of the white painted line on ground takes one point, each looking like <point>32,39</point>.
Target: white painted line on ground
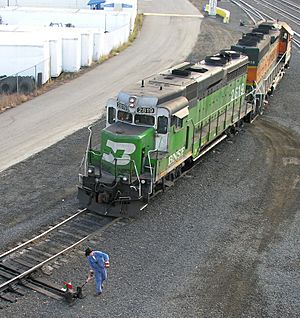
<point>174,15</point>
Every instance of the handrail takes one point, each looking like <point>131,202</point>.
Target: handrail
<point>233,100</point>
<point>136,172</point>
<point>151,169</point>
<point>88,148</point>
<point>271,72</point>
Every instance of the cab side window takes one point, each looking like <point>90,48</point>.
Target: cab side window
<point>177,122</point>
<point>111,115</point>
<point>162,125</point>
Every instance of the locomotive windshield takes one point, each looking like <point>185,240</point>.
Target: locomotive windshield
<point>124,116</point>
<point>144,120</point>
<point>127,117</point>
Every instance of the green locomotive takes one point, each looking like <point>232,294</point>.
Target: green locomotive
<point>157,129</point>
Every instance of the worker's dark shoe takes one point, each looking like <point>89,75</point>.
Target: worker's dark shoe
<point>97,294</point>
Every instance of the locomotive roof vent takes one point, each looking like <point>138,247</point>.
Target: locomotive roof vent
<point>232,54</point>
<point>261,30</point>
<point>258,35</point>
<point>250,39</point>
<point>181,72</point>
<point>217,59</point>
<point>267,25</point>
<point>197,69</point>
<point>169,77</point>
<point>247,43</point>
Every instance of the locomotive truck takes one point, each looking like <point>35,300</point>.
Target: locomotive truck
<point>158,128</point>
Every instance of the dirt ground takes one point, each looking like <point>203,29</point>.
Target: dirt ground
<point>224,242</point>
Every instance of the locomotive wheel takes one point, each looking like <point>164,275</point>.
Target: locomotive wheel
<point>250,117</point>
<point>261,110</point>
<point>178,172</point>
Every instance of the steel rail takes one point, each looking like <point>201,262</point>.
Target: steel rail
<point>296,42</point>
<point>253,9</point>
<point>289,4</point>
<point>4,285</point>
<point>41,235</point>
<point>247,11</point>
<point>297,34</point>
<point>29,271</point>
<point>277,9</point>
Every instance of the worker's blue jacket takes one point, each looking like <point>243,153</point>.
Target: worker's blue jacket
<point>97,260</point>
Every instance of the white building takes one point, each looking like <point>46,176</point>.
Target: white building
<point>75,37</point>
<point>79,4</point>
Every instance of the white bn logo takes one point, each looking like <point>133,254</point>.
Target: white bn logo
<point>127,149</point>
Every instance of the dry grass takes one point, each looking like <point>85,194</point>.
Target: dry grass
<point>115,51</point>
<point>13,100</point>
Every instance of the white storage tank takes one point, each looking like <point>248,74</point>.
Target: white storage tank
<point>71,52</point>
<point>97,45</point>
<point>55,43</point>
<point>87,45</point>
<point>24,55</point>
<point>106,20</point>
<point>91,33</point>
<point>129,6</point>
<point>79,4</point>
<point>108,43</point>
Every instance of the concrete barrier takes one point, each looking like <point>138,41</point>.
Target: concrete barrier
<point>225,14</point>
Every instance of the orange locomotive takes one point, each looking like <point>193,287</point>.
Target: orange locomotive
<point>268,48</point>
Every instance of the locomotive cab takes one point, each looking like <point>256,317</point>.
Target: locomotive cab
<point>121,171</point>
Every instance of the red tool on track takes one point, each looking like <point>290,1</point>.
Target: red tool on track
<point>71,294</point>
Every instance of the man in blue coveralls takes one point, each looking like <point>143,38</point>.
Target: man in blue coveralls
<point>98,261</point>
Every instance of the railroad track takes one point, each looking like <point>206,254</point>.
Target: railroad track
<point>288,11</point>
<point>18,264</point>
<point>253,14</point>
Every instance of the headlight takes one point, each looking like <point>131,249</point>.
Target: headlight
<point>91,170</point>
<point>125,179</point>
<point>143,181</point>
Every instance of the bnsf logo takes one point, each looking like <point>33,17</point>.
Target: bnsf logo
<point>175,156</point>
<point>126,148</point>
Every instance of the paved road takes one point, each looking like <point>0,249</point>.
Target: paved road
<point>41,122</point>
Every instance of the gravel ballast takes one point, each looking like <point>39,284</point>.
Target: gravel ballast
<point>224,242</point>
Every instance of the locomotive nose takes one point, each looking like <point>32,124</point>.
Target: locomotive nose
<point>125,148</point>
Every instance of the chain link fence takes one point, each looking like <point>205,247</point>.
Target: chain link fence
<point>27,80</point>
<point>19,87</point>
